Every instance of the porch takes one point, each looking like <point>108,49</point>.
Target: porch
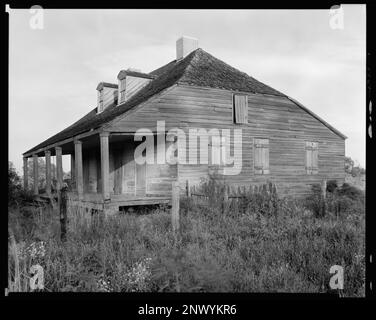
<point>104,173</point>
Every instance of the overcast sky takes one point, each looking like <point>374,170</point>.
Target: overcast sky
<point>54,71</point>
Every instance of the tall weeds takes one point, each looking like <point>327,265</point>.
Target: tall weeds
<point>259,244</point>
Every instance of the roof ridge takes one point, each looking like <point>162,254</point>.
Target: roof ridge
<point>223,75</point>
<point>191,57</point>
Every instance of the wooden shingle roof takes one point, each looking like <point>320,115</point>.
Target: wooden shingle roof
<point>199,68</point>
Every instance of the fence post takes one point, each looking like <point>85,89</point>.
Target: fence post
<point>323,196</point>
<point>275,189</point>
<point>225,198</point>
<point>175,206</point>
<point>175,203</point>
<point>270,189</point>
<point>323,188</point>
<point>63,212</point>
<point>188,189</point>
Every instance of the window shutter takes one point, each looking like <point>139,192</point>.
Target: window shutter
<point>240,109</point>
<point>122,90</point>
<point>265,157</point>
<point>308,158</point>
<point>311,157</point>
<point>258,158</point>
<point>315,160</point>
<point>261,156</point>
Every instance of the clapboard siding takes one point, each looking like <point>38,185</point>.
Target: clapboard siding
<point>108,96</point>
<point>285,124</point>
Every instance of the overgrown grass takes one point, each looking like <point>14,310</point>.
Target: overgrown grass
<point>251,248</point>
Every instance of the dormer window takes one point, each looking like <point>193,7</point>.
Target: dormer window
<point>122,84</point>
<point>100,101</point>
<point>130,82</point>
<point>107,95</point>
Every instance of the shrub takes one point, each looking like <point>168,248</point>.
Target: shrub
<point>14,184</point>
<point>351,192</point>
<point>331,186</point>
<point>17,196</point>
<point>342,200</point>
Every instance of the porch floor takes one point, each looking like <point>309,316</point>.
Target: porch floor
<point>95,200</point>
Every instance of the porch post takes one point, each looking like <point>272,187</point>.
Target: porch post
<point>35,172</point>
<point>78,168</point>
<point>72,169</point>
<point>59,168</point>
<point>25,173</point>
<point>105,167</point>
<point>48,171</point>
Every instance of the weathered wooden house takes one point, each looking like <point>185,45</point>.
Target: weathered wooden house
<point>281,140</point>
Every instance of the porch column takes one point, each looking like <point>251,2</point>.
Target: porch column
<point>47,155</point>
<point>105,167</point>
<point>73,169</point>
<point>59,167</point>
<point>78,168</point>
<point>25,174</point>
<point>35,172</point>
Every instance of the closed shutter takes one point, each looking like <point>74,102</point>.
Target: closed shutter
<point>312,165</point>
<point>261,156</point>
<point>315,158</point>
<point>240,109</point>
<point>265,157</point>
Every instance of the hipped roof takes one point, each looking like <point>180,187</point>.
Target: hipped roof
<point>199,68</point>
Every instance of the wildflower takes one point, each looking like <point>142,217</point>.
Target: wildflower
<point>35,250</point>
<point>104,285</point>
<point>137,279</point>
<point>359,258</point>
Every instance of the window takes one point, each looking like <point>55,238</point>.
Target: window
<point>312,166</point>
<point>261,156</point>
<point>240,109</point>
<point>122,91</point>
<point>215,155</point>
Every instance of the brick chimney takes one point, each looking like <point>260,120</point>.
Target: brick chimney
<point>107,95</point>
<point>184,46</point>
